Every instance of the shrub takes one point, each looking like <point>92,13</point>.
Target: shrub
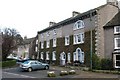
<point>96,62</point>
<point>9,63</point>
<point>106,64</point>
<point>71,72</point>
<point>62,73</point>
<point>51,74</point>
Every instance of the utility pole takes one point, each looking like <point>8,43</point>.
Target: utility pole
<point>91,50</point>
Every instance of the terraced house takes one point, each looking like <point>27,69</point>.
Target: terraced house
<point>112,39</point>
<point>73,39</point>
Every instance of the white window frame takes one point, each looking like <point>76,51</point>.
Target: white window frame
<point>116,43</point>
<point>42,45</point>
<point>54,31</point>
<point>54,42</point>
<point>48,44</point>
<point>116,60</point>
<point>77,23</point>
<point>54,55</point>
<point>67,40</point>
<point>115,27</point>
<point>68,57</point>
<point>36,49</point>
<point>76,39</point>
<point>48,34</point>
<point>47,55</point>
<point>42,36</point>
<point>37,41</point>
<point>41,55</point>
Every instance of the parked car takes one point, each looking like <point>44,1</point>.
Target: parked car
<point>30,65</point>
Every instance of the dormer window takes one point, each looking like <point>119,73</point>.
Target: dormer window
<point>78,25</point>
<point>116,29</point>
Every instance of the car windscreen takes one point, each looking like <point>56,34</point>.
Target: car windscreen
<point>26,62</point>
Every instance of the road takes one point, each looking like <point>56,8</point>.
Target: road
<point>18,73</point>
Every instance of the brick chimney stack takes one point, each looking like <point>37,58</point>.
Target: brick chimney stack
<point>113,2</point>
<point>51,23</point>
<point>74,13</point>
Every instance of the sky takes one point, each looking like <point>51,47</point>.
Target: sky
<point>30,16</point>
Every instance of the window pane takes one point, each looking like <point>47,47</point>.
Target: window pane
<point>67,40</point>
<point>117,63</point>
<point>117,57</point>
<point>79,38</point>
<point>118,42</point>
<point>118,29</point>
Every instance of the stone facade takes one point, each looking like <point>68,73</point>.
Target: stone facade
<point>24,49</point>
<point>112,40</point>
<point>70,40</point>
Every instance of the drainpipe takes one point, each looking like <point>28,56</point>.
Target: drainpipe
<point>91,50</point>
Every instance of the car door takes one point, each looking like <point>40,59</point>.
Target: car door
<point>41,66</point>
<point>34,65</point>
<point>37,65</point>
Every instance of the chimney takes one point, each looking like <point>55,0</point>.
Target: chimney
<point>113,2</point>
<point>25,37</point>
<point>51,23</point>
<point>74,13</point>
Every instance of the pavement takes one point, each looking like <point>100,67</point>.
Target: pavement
<point>16,72</point>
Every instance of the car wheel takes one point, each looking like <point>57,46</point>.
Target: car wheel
<point>46,67</point>
<point>30,69</point>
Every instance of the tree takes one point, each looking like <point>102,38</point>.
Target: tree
<point>11,38</point>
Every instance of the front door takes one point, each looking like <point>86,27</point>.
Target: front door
<point>62,58</point>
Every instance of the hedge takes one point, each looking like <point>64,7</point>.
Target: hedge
<point>9,63</point>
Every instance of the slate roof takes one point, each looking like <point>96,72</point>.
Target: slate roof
<point>89,13</point>
<point>115,21</point>
<point>27,41</point>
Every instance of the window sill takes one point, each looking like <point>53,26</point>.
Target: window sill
<point>78,43</point>
<point>54,46</point>
<point>117,48</point>
<point>116,33</point>
<point>66,44</point>
<point>78,29</point>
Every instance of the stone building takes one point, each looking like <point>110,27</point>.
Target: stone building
<point>73,39</point>
<point>24,49</point>
<point>112,40</point>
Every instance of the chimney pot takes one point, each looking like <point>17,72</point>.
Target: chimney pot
<point>51,23</point>
<point>113,2</point>
<point>74,13</point>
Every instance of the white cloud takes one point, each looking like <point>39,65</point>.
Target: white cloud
<point>30,16</point>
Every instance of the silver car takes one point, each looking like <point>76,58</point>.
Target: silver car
<point>33,65</point>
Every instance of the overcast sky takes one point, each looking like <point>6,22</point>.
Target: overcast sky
<point>30,16</point>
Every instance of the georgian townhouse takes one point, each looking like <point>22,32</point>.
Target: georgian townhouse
<point>73,39</point>
<point>112,40</point>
